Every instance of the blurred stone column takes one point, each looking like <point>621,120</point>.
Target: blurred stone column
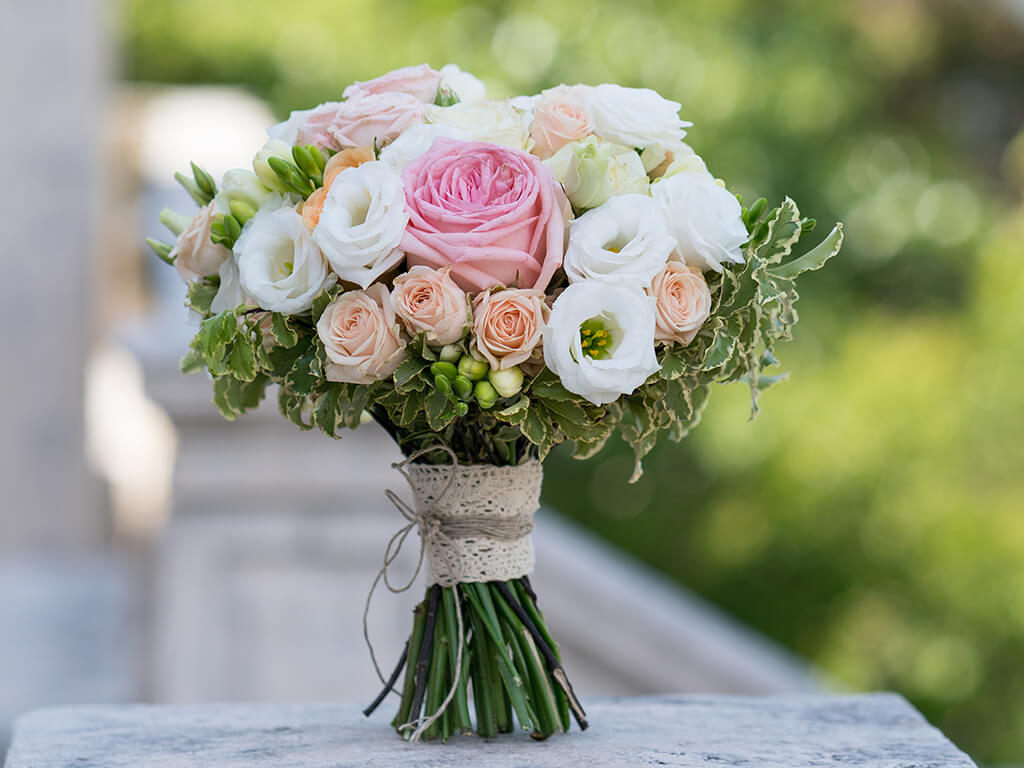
<point>54,70</point>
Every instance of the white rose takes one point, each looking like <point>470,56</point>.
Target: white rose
<point>194,254</point>
<point>362,222</point>
<point>705,219</point>
<point>415,141</point>
<point>625,242</point>
<point>279,264</point>
<point>498,122</point>
<point>592,170</point>
<point>599,340</point>
<point>467,87</point>
<point>635,117</point>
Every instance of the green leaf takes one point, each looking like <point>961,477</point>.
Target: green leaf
<point>672,366</point>
<point>536,427</point>
<point>515,413</point>
<point>227,397</point>
<point>201,294</point>
<point>252,392</point>
<point>783,232</point>
<point>306,373</point>
<point>720,351</point>
<point>813,259</point>
<point>281,328</point>
<point>193,359</point>
<point>408,370</point>
<point>439,409</point>
<point>242,361</point>
<point>327,413</point>
<point>294,407</point>
<point>322,300</point>
<point>552,390</point>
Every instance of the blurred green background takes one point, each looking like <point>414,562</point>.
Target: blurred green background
<point>872,518</point>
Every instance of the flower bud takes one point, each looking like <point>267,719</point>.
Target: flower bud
<point>443,384</point>
<point>507,382</point>
<point>273,148</point>
<point>485,394</point>
<point>444,370</point>
<point>240,186</point>
<point>473,369</point>
<point>461,408</point>
<point>597,170</point>
<point>174,221</point>
<point>463,387</point>
<point>450,353</point>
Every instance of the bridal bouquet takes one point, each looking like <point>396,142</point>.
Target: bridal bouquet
<point>486,279</point>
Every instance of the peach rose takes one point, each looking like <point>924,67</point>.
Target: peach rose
<point>419,81</point>
<point>194,254</point>
<point>560,116</point>
<point>508,324</point>
<point>347,158</point>
<point>683,303</point>
<point>361,336</point>
<point>429,301</point>
<point>358,122</point>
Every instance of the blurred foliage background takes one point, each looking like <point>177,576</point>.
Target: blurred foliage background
<point>872,518</point>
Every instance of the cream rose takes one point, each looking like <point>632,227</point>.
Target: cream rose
<point>683,303</point>
<point>497,122</point>
<point>636,117</point>
<point>508,325</point>
<point>195,255</point>
<point>560,116</point>
<point>361,336</point>
<point>429,301</point>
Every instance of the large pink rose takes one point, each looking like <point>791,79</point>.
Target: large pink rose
<point>419,81</point>
<point>492,212</point>
<point>359,122</point>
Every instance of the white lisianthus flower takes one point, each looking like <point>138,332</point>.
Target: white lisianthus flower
<point>467,87</point>
<point>279,265</point>
<point>240,186</point>
<point>623,242</point>
<point>599,340</point>
<point>591,171</point>
<point>498,122</point>
<point>705,219</point>
<point>362,222</point>
<point>635,117</point>
<point>417,140</point>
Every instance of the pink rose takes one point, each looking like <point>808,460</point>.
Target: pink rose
<point>194,254</point>
<point>429,301</point>
<point>508,324</point>
<point>361,336</point>
<point>683,303</point>
<point>560,116</point>
<point>494,213</point>
<point>419,81</point>
<point>359,122</point>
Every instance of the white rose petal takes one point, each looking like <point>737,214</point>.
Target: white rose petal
<point>635,117</point>
<point>362,222</point>
<point>467,87</point>
<point>705,219</point>
<point>627,318</point>
<point>279,264</point>
<point>498,122</point>
<point>416,141</point>
<point>624,242</point>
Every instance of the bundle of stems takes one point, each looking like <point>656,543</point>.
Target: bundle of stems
<point>510,669</point>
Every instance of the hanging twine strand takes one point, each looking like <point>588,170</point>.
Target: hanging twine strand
<point>450,525</point>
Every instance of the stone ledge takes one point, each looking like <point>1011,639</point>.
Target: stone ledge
<point>877,730</point>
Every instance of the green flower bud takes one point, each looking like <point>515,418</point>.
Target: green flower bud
<point>443,384</point>
<point>447,370</point>
<point>273,148</point>
<point>507,382</point>
<point>161,249</point>
<point>174,221</point>
<point>307,164</point>
<point>193,189</point>
<point>463,387</point>
<point>242,211</point>
<point>204,180</point>
<point>450,353</point>
<point>243,187</point>
<point>472,368</point>
<point>461,408</point>
<point>290,177</point>
<point>485,394</point>
<point>597,169</point>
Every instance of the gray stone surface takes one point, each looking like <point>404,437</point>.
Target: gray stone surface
<point>880,730</point>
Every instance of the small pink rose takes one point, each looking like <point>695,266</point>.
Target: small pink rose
<point>508,325</point>
<point>194,254</point>
<point>361,336</point>
<point>560,116</point>
<point>359,122</point>
<point>683,303</point>
<point>429,301</point>
<point>419,81</point>
<point>493,213</point>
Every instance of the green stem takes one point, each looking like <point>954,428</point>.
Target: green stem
<point>408,686</point>
<point>456,641</point>
<point>436,678</point>
<point>483,683</point>
<point>527,601</point>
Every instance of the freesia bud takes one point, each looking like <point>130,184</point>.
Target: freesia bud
<point>273,148</point>
<point>507,382</point>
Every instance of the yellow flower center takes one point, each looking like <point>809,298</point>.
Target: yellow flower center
<point>596,339</point>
